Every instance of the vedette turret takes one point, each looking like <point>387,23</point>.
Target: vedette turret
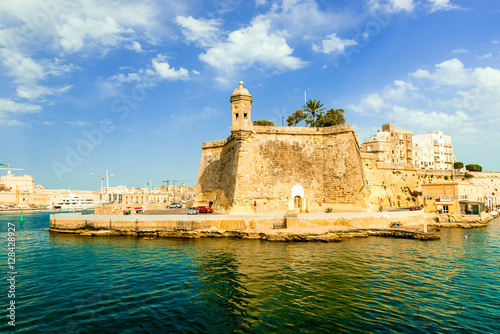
<point>241,102</point>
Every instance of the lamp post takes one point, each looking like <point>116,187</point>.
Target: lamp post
<point>107,185</point>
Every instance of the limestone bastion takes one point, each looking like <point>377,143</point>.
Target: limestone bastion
<point>268,169</point>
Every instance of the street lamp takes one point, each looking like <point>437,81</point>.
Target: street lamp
<point>107,185</point>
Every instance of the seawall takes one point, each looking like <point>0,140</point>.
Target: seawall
<point>303,227</point>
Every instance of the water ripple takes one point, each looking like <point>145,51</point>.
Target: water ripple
<point>73,284</point>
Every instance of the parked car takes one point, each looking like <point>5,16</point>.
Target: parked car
<point>204,209</point>
<point>415,208</point>
<point>174,205</point>
<point>192,211</point>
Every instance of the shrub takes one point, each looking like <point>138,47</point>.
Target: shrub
<point>263,122</point>
<point>446,177</point>
<point>458,165</point>
<point>468,176</point>
<point>474,168</point>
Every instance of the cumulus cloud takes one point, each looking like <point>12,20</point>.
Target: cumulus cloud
<point>333,44</point>
<point>249,46</point>
<point>462,102</point>
<point>164,70</point>
<point>159,70</point>
<point>37,37</point>
<point>450,72</point>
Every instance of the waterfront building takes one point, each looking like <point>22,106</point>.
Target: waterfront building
<point>12,182</point>
<point>22,191</point>
<point>163,194</point>
<point>453,197</point>
<point>391,145</point>
<point>433,150</point>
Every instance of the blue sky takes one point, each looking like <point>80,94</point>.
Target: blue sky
<point>135,87</point>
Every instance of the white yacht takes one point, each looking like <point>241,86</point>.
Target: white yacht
<point>74,203</point>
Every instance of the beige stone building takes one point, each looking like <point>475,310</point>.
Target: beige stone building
<point>22,191</point>
<point>12,182</point>
<point>264,169</point>
<point>163,194</point>
<point>453,197</point>
<point>391,145</point>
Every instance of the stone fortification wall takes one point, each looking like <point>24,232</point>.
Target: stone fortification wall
<point>387,184</point>
<point>325,162</point>
<point>395,166</point>
<point>261,167</point>
<point>217,173</point>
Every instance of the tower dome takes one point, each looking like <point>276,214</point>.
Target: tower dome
<point>240,90</point>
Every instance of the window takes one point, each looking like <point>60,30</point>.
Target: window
<point>237,116</point>
<point>245,115</point>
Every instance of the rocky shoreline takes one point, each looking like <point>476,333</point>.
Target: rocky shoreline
<point>274,235</point>
<point>426,229</point>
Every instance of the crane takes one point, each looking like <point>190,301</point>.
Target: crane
<point>7,167</point>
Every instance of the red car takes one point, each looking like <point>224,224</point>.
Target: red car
<point>204,209</point>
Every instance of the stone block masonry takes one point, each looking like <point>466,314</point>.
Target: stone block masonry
<point>263,166</point>
<point>268,169</point>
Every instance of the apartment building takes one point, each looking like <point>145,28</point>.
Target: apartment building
<point>433,150</point>
<point>391,145</point>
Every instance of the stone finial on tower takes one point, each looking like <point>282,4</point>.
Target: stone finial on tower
<point>241,102</point>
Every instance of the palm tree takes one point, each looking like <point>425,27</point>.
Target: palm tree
<point>313,106</point>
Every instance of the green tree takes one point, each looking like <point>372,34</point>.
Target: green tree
<point>297,117</point>
<point>331,118</point>
<point>312,107</point>
<point>263,122</point>
<point>458,165</point>
<point>474,168</point>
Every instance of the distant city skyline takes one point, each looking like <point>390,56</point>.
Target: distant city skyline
<point>136,88</point>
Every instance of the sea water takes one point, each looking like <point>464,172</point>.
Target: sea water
<point>73,284</point>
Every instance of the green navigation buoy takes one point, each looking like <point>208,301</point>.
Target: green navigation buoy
<point>21,220</point>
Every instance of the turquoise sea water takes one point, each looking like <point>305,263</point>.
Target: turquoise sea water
<point>73,284</point>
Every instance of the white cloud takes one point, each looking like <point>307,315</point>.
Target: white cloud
<point>450,72</point>
<point>441,5</point>
<point>159,70</point>
<point>415,119</point>
<point>9,108</point>
<point>135,46</point>
<point>202,32</point>
<point>249,46</point>
<point>7,105</point>
<point>400,92</point>
<point>333,44</point>
<point>164,70</point>
<point>35,91</point>
<point>460,50</point>
<point>462,102</point>
<point>392,6</point>
<point>78,123</point>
